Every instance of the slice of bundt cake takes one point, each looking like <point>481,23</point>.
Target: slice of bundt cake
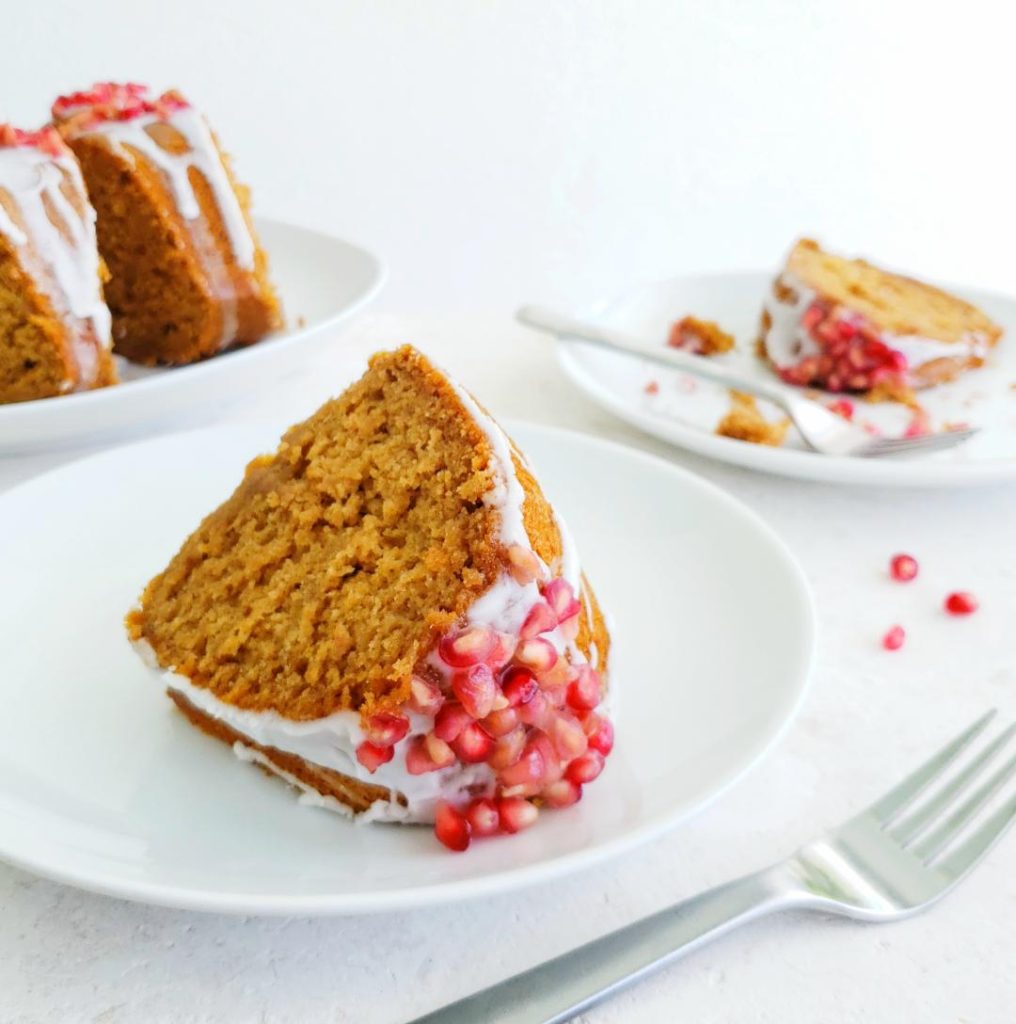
<point>54,324</point>
<point>845,325</point>
<point>388,614</point>
<point>189,278</point>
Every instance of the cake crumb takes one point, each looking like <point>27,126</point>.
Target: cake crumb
<point>745,422</point>
<point>700,337</point>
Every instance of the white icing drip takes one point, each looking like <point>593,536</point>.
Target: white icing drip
<point>203,155</point>
<point>787,342</point>
<point>331,742</point>
<point>35,180</point>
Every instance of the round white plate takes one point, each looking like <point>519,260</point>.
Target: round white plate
<point>104,785</point>
<point>686,412</point>
<point>321,281</point>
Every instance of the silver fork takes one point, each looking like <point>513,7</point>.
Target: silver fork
<point>881,865</point>
<point>823,431</point>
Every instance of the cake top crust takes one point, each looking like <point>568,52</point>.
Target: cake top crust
<point>113,101</point>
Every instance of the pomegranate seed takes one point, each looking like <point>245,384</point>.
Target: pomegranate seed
<point>502,651</point>
<point>569,628</point>
<point>477,689</point>
<point>451,827</point>
<point>385,729</point>
<point>559,595</point>
<point>601,734</point>
<point>552,769</point>
<point>585,768</point>
<point>903,568</point>
<point>501,722</point>
<point>424,696</point>
<point>523,564</point>
<point>652,388</point>
<point>472,744</point>
<point>893,640</point>
<point>507,749</point>
<point>372,756</point>
<point>450,721</point>
<point>483,817</point>
<point>519,685</point>
<point>961,602</point>
<point>529,768</point>
<point>438,751</point>
<point>537,654</point>
<point>584,689</point>
<point>562,793</point>
<point>467,648</point>
<point>541,619</point>
<point>536,711</point>
<point>516,813</point>
<point>418,759</point>
<point>842,407</point>
<point>569,739</point>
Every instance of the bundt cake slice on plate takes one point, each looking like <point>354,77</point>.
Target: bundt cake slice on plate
<point>845,325</point>
<point>189,278</point>
<point>54,323</point>
<point>388,614</point>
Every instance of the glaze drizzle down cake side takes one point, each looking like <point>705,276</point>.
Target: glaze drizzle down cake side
<point>189,278</point>
<point>844,325</point>
<point>389,615</point>
<point>54,322</point>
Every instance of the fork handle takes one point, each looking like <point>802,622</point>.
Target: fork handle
<point>559,989</point>
<point>620,341</point>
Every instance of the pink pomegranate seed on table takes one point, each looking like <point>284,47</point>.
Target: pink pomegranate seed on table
<point>894,638</point>
<point>903,568</point>
<point>961,602</point>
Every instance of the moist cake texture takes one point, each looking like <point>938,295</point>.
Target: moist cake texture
<point>189,278</point>
<point>54,323</point>
<point>845,325</point>
<point>389,605</point>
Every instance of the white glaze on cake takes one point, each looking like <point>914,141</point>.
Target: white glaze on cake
<point>57,243</point>
<point>787,342</point>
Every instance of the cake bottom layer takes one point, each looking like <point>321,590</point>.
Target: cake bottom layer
<point>358,796</point>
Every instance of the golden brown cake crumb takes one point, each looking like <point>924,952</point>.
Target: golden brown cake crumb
<point>700,337</point>
<point>745,422</point>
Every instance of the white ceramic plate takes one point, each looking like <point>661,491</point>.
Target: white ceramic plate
<point>321,280</point>
<point>104,785</point>
<point>686,412</point>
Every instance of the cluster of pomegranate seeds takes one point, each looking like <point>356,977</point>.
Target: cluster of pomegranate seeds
<point>961,602</point>
<point>46,139</point>
<point>113,101</point>
<point>894,638</point>
<point>903,568</point>
<point>852,355</point>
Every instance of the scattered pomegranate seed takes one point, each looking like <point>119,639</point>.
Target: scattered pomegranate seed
<point>467,648</point>
<point>523,564</point>
<point>562,793</point>
<point>472,744</point>
<point>371,756</point>
<point>477,689</point>
<point>516,814</point>
<point>483,817</point>
<point>385,729</point>
<point>585,768</point>
<point>541,619</point>
<point>961,602</point>
<point>903,568</point>
<point>652,388</point>
<point>507,749</point>
<point>600,732</point>
<point>559,595</point>
<point>893,640</point>
<point>501,722</point>
<point>424,696</point>
<point>519,685</point>
<point>451,827</point>
<point>537,654</point>
<point>584,689</point>
<point>842,407</point>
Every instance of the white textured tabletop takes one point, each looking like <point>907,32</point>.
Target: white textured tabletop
<point>870,716</point>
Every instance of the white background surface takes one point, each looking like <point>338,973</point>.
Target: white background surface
<point>500,152</point>
<point>871,716</point>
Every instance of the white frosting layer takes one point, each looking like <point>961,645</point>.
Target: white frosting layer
<point>787,342</point>
<point>62,240</point>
